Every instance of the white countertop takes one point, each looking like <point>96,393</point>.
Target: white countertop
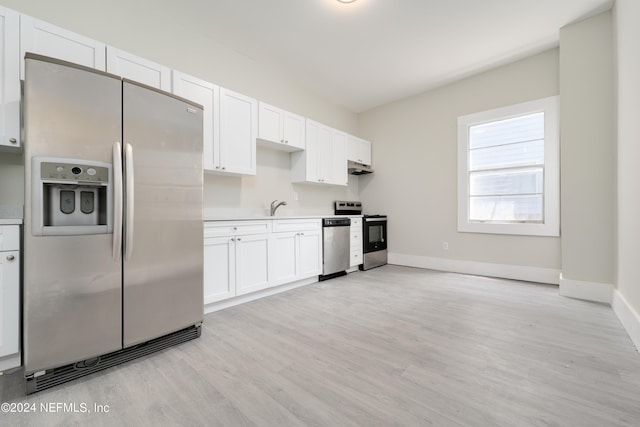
<point>263,217</point>
<point>10,221</point>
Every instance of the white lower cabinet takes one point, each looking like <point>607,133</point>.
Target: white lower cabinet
<point>295,249</point>
<point>284,262</point>
<point>241,257</point>
<point>356,249</point>
<point>219,269</point>
<point>235,259</point>
<point>252,271</point>
<point>9,297</point>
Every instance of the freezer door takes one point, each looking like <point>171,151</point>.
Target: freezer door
<point>72,284</point>
<point>164,243</point>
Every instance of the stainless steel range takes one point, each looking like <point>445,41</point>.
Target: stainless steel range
<point>374,234</point>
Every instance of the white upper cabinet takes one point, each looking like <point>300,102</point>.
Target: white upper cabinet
<point>208,95</point>
<point>46,39</point>
<point>293,130</point>
<point>280,129</point>
<point>358,150</point>
<point>339,172</point>
<point>230,125</point>
<point>9,78</point>
<point>138,69</point>
<point>238,130</point>
<point>324,161</point>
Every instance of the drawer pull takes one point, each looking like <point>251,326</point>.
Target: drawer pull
<point>10,257</point>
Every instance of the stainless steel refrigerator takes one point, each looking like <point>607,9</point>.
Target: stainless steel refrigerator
<point>113,227</point>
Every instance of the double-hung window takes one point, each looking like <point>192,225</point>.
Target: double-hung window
<point>508,170</point>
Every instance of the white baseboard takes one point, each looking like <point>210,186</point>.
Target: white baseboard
<point>590,291</point>
<point>629,318</point>
<point>219,305</point>
<point>505,271</point>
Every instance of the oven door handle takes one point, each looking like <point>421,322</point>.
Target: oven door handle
<point>375,219</point>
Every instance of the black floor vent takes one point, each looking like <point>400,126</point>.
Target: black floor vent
<point>56,376</point>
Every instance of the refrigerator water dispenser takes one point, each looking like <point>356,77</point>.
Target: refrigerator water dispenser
<point>71,197</point>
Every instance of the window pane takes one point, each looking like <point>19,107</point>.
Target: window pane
<point>513,155</point>
<point>506,208</point>
<point>511,181</point>
<point>516,129</point>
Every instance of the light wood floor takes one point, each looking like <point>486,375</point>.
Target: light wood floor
<point>391,346</point>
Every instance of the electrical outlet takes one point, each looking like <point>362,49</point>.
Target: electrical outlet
<point>445,246</point>
<point>295,195</point>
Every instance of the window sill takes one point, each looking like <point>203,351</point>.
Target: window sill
<point>546,230</point>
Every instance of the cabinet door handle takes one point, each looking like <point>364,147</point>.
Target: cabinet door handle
<point>224,168</point>
<point>238,239</point>
<point>13,140</point>
<point>302,234</point>
<point>10,257</point>
<point>233,239</point>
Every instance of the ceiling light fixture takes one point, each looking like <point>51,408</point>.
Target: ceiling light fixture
<point>346,1</point>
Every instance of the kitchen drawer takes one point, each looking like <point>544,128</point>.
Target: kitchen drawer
<point>356,239</point>
<point>356,224</point>
<point>236,228</point>
<point>284,225</point>
<point>9,237</point>
<point>355,257</point>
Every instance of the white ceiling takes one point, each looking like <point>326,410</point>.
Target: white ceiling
<point>372,52</point>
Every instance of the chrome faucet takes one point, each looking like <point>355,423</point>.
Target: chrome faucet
<point>275,206</point>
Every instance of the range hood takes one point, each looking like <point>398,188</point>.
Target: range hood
<point>356,168</point>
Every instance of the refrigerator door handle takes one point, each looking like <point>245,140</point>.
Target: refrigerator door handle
<point>117,201</point>
<point>128,238</point>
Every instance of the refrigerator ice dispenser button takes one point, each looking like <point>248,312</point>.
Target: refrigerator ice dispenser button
<point>67,201</point>
<point>86,202</point>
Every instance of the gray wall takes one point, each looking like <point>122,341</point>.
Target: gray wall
<point>163,31</point>
<point>415,184</point>
<point>627,15</point>
<point>588,150</point>
<point>11,179</point>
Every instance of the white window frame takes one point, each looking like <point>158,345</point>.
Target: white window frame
<point>551,197</point>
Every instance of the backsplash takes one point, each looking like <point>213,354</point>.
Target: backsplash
<point>226,196</point>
